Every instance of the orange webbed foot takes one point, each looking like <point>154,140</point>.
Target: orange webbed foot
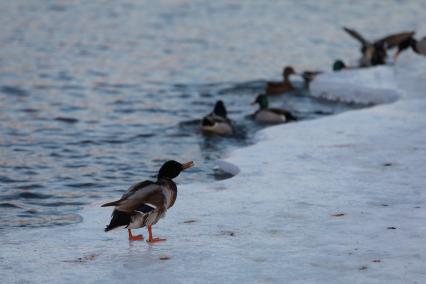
<point>134,238</point>
<point>151,239</point>
<point>156,240</point>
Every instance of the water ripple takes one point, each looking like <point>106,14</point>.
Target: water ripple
<point>14,91</point>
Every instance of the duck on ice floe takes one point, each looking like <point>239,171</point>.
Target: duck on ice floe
<point>270,115</point>
<point>277,88</point>
<point>146,202</point>
<point>217,121</point>
<point>418,46</point>
<point>375,53</point>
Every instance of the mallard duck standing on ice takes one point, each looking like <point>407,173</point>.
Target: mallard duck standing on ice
<point>270,115</point>
<point>146,202</point>
<point>217,121</point>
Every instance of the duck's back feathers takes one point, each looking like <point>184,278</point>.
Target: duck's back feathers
<point>143,185</point>
<point>138,190</point>
<point>212,118</point>
<point>395,39</point>
<point>275,88</point>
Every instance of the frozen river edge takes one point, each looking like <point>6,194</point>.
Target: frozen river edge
<point>335,200</point>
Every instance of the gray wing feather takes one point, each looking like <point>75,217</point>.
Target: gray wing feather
<point>140,193</point>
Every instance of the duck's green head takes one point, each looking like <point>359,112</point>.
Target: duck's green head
<point>172,169</point>
<point>262,100</point>
<point>338,65</point>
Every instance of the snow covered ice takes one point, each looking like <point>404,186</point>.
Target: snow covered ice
<point>374,85</point>
<point>335,200</point>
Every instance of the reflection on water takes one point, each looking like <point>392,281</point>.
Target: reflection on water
<point>95,96</point>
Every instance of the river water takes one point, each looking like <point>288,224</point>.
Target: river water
<point>96,95</point>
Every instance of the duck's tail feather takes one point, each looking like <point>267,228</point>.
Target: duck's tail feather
<point>113,203</point>
<point>118,219</point>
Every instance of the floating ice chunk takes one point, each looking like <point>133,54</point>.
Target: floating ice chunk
<point>227,167</point>
<point>375,85</point>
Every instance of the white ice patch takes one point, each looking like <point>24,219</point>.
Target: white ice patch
<point>227,167</point>
<point>375,85</point>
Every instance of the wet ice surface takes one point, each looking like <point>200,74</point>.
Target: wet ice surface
<point>335,200</point>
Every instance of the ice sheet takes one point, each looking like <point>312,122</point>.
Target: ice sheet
<point>374,85</point>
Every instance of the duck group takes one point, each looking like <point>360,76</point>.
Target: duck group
<point>146,202</point>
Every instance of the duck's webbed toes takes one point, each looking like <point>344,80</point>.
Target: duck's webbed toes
<point>156,240</point>
<point>136,238</point>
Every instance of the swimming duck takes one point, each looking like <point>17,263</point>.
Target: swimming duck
<point>217,121</point>
<point>375,53</point>
<point>418,46</point>
<point>146,202</point>
<point>270,115</point>
<point>276,88</point>
<point>309,76</point>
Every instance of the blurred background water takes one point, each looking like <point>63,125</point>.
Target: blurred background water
<point>96,95</point>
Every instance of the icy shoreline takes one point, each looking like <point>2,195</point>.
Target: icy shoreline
<point>335,200</point>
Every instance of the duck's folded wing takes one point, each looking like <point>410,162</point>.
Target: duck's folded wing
<point>151,195</point>
<point>284,112</point>
<point>143,186</point>
<point>136,193</point>
<point>207,121</point>
<point>212,118</point>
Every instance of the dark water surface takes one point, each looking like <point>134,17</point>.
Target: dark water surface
<point>95,95</point>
